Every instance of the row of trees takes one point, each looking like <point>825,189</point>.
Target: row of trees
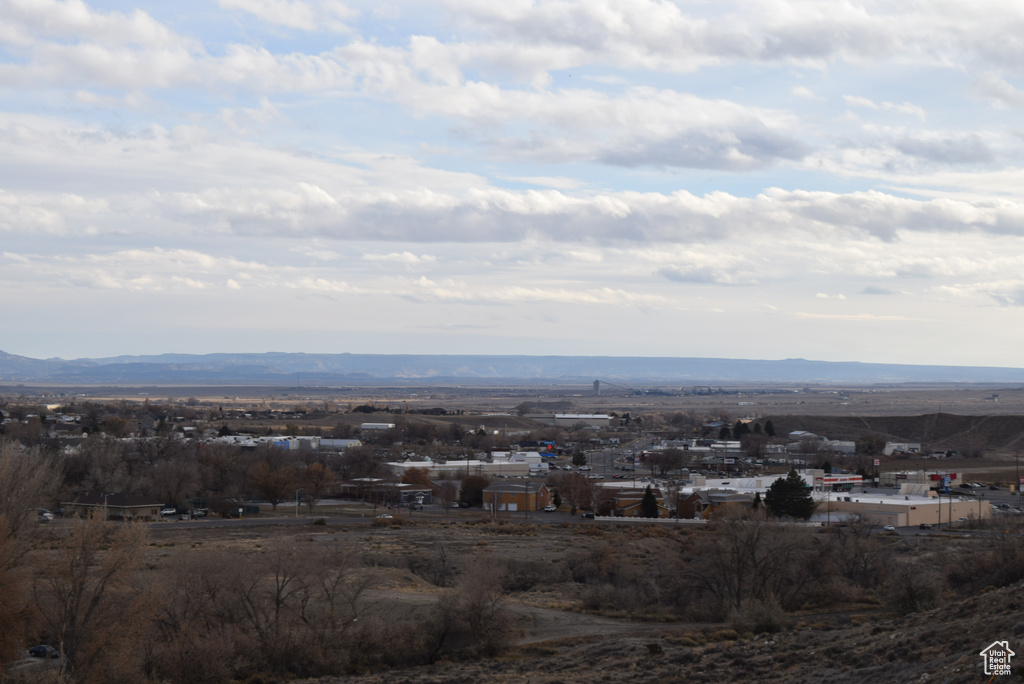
<point>173,470</point>
<point>298,607</point>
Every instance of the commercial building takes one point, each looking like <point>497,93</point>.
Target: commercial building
<point>591,420</point>
<point>459,469</point>
<point>904,510</point>
<point>516,496</point>
<point>114,506</point>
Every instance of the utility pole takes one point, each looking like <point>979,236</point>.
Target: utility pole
<point>1017,485</point>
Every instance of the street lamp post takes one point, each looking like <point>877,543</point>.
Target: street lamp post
<point>297,501</point>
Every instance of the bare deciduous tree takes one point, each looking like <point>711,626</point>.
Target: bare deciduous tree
<point>744,557</point>
<point>271,477</point>
<point>85,593</point>
<point>448,493</point>
<point>195,642</point>
<point>576,490</point>
<point>316,481</point>
<point>662,462</point>
<point>471,619</point>
<point>27,481</point>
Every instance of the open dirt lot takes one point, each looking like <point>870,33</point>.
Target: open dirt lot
<point>554,638</point>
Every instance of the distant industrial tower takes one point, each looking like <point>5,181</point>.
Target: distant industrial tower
<point>597,388</point>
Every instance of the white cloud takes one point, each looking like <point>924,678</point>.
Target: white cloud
<point>994,86</point>
<point>653,35</point>
<point>306,16</point>
<point>555,182</point>
<point>518,166</point>
<point>75,20</point>
<point>401,258</point>
<point>858,102</point>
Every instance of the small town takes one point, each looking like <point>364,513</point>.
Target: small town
<point>827,527</point>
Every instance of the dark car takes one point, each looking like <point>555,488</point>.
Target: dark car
<point>44,651</point>
<point>925,526</point>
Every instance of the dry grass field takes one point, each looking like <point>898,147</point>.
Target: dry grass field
<point>557,633</point>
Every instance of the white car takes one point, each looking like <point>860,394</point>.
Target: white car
<point>168,511</point>
<point>550,508</point>
<point>889,528</point>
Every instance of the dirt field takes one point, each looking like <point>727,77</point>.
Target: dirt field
<point>553,639</point>
<point>737,401</point>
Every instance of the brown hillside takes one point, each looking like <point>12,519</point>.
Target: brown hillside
<point>935,431</point>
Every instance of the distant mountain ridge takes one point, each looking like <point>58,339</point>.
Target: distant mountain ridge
<point>291,369</point>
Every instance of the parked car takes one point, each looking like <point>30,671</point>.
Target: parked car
<point>168,511</point>
<point>588,516</point>
<point>889,528</point>
<point>385,516</point>
<point>925,526</point>
<point>44,651</point>
<point>550,508</point>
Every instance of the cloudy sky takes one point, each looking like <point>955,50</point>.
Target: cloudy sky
<point>749,179</point>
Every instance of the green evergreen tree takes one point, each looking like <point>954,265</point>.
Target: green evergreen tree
<point>649,504</point>
<point>769,429</point>
<point>790,497</point>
